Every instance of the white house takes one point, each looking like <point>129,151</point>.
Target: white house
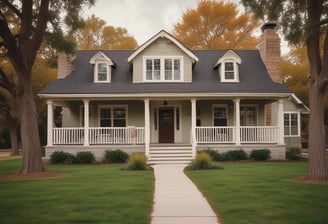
<point>168,101</point>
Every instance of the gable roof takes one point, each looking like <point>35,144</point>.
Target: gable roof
<point>254,78</point>
<point>163,34</point>
<point>101,56</point>
<point>230,55</point>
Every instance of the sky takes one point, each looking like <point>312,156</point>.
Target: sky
<point>145,18</point>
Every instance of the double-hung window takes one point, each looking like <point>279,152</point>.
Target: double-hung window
<point>229,71</point>
<point>112,116</point>
<point>291,124</point>
<point>163,69</point>
<point>220,116</point>
<point>102,72</point>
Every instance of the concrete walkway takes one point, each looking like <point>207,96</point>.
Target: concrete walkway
<point>177,200</point>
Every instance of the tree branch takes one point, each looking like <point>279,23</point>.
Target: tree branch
<point>6,84</point>
<point>324,85</point>
<point>12,8</point>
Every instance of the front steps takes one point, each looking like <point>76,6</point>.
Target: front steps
<point>170,154</point>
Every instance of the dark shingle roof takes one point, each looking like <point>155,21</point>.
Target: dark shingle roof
<point>252,74</point>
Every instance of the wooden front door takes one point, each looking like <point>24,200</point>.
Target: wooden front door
<point>166,125</point>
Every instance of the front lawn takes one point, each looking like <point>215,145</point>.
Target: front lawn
<point>263,193</point>
<point>92,194</point>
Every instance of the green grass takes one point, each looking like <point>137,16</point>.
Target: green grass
<point>92,194</point>
<point>263,193</point>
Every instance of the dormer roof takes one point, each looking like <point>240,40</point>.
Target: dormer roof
<point>163,34</point>
<point>100,56</point>
<point>229,55</point>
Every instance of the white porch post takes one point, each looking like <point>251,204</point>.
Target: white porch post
<point>193,127</point>
<point>86,122</point>
<point>237,121</point>
<point>50,121</point>
<point>280,122</point>
<point>147,127</point>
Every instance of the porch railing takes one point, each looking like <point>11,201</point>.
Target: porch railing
<point>117,135</point>
<point>97,135</point>
<point>215,134</point>
<point>259,134</point>
<point>248,134</point>
<point>68,136</point>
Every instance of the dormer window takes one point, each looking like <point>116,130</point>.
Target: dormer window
<point>102,72</point>
<point>228,67</point>
<point>102,67</point>
<point>163,69</point>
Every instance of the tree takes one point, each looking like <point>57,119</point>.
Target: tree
<point>306,21</point>
<point>216,25</point>
<point>38,21</point>
<point>96,35</point>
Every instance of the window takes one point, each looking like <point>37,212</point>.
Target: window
<point>220,116</point>
<point>229,71</point>
<point>102,72</point>
<point>112,117</point>
<point>291,124</point>
<point>102,67</point>
<point>164,69</point>
<point>248,115</point>
<point>228,67</point>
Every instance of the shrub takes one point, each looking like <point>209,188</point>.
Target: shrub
<point>84,157</point>
<point>116,156</point>
<point>61,157</point>
<point>293,153</point>
<point>215,155</point>
<point>203,161</point>
<point>235,155</point>
<point>137,161</point>
<point>260,154</point>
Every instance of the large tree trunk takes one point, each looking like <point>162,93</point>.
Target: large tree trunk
<point>31,148</point>
<point>318,169</point>
<point>13,133</point>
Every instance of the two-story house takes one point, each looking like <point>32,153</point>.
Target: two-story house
<point>168,101</point>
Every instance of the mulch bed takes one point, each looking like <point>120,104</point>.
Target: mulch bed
<point>29,176</point>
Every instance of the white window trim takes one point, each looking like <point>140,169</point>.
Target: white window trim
<point>298,123</point>
<point>257,112</point>
<point>96,72</point>
<point>225,106</point>
<point>235,69</point>
<point>162,71</point>
<point>112,107</point>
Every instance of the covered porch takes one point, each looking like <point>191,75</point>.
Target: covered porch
<point>145,122</point>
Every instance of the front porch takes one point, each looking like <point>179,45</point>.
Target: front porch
<point>148,123</point>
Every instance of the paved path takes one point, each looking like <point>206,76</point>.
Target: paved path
<point>177,200</point>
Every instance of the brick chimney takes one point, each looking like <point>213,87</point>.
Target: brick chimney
<point>65,66</point>
<point>269,47</point>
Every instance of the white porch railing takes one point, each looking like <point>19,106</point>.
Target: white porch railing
<point>68,136</point>
<point>97,135</point>
<point>117,135</point>
<point>249,134</point>
<point>259,134</point>
<point>215,134</point>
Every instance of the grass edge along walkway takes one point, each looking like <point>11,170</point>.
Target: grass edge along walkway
<point>262,193</point>
<point>92,194</point>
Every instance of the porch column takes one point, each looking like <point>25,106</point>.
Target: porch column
<point>50,121</point>
<point>237,121</point>
<point>86,122</point>
<point>280,122</point>
<point>193,127</point>
<point>147,127</point>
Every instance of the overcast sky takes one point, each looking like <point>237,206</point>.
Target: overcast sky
<point>145,18</point>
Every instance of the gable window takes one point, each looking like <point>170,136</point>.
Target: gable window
<point>229,71</point>
<point>163,69</point>
<point>291,124</point>
<point>102,72</point>
<point>112,117</point>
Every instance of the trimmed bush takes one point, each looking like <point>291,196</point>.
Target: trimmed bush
<point>234,155</point>
<point>260,154</point>
<point>203,161</point>
<point>84,157</point>
<point>116,156</point>
<point>215,155</point>
<point>58,157</point>
<point>293,153</point>
<point>137,161</point>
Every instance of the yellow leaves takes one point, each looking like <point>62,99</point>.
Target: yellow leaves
<point>216,25</point>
